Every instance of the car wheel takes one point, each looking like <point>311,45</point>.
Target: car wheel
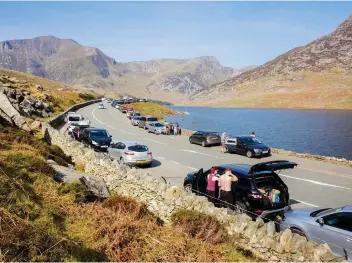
<point>298,231</point>
<point>188,188</point>
<point>249,154</point>
<point>121,161</point>
<point>190,141</point>
<point>203,144</point>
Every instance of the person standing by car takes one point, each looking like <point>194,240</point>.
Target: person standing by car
<point>213,179</point>
<point>224,137</point>
<point>253,134</point>
<point>225,183</point>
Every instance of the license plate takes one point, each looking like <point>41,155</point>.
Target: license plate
<point>141,161</point>
<point>104,146</point>
<point>265,151</point>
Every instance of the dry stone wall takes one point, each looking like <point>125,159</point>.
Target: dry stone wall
<point>161,199</point>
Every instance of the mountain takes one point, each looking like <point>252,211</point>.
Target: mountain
<point>67,61</point>
<point>317,75</point>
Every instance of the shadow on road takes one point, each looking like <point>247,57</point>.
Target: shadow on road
<point>156,163</point>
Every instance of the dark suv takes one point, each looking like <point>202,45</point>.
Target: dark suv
<point>251,178</point>
<point>98,139</point>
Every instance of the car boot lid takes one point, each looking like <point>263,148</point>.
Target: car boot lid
<point>271,166</point>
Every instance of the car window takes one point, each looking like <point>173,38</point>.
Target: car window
<point>231,141</point>
<point>243,183</point>
<point>98,133</point>
<point>138,148</point>
<point>151,124</point>
<point>341,220</point>
<point>152,119</point>
<point>74,118</point>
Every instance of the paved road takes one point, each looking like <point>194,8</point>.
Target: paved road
<point>311,184</point>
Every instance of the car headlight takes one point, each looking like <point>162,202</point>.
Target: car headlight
<point>257,150</point>
<point>95,143</point>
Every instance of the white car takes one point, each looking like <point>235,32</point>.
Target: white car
<point>72,124</point>
<point>101,106</point>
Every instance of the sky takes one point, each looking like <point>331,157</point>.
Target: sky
<point>237,33</point>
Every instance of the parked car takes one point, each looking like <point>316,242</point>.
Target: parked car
<point>101,106</point>
<point>68,114</point>
<point>156,127</point>
<point>98,139</point>
<point>72,124</point>
<point>136,113</point>
<point>205,138</point>
<point>129,113</point>
<point>143,122</point>
<point>327,225</point>
<point>77,131</point>
<point>123,109</point>
<point>247,145</point>
<point>135,120</point>
<point>253,181</point>
<point>131,153</point>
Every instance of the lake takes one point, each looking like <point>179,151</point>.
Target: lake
<point>322,132</point>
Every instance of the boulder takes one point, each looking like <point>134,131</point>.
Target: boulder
<point>323,253</point>
<point>270,229</point>
<point>285,238</point>
<point>39,87</point>
<point>35,125</point>
<point>96,187</point>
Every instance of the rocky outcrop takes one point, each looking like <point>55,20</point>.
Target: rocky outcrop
<point>96,188</point>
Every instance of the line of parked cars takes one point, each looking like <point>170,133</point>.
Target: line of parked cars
<point>244,145</point>
<point>131,153</point>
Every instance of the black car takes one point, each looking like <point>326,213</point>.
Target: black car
<point>205,138</point>
<point>98,139</point>
<point>255,182</point>
<point>247,145</point>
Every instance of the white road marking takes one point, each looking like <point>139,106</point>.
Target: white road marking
<point>192,168</point>
<point>175,162</point>
<point>128,133</point>
<point>315,182</point>
<point>154,141</point>
<point>162,158</point>
<point>185,150</point>
<point>305,203</point>
<point>327,172</point>
<point>96,117</point>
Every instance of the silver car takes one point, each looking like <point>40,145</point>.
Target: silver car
<point>131,153</point>
<point>332,226</point>
<point>135,120</point>
<point>156,127</point>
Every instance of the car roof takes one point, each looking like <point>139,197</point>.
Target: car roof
<point>96,129</point>
<point>208,131</point>
<point>239,168</point>
<point>347,208</point>
<point>131,143</point>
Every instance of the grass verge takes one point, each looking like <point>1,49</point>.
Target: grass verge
<point>150,108</point>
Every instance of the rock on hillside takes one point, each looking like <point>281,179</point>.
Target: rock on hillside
<point>67,61</point>
<point>316,75</point>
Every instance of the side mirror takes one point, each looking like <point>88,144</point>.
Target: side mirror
<point>320,221</point>
<point>110,136</point>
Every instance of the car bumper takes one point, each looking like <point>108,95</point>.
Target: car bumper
<point>262,154</point>
<point>137,163</point>
<point>103,148</point>
<point>270,214</point>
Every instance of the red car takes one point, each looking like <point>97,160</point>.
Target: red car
<point>123,109</point>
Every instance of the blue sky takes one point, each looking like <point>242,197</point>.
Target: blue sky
<point>237,33</point>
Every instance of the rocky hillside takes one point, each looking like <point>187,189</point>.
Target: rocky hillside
<point>313,76</point>
<point>67,61</point>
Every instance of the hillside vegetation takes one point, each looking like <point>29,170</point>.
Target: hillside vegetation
<point>150,108</point>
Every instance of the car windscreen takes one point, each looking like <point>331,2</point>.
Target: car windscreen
<point>138,148</point>
<point>250,141</point>
<point>136,114</point>
<point>152,119</point>
<point>159,125</point>
<point>98,133</point>
<point>74,118</point>
<point>136,118</point>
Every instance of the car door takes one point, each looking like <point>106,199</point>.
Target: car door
<point>240,147</point>
<point>113,152</point>
<point>335,229</point>
<point>120,150</point>
<point>85,136</point>
<point>195,182</point>
<point>231,145</point>
<point>199,137</point>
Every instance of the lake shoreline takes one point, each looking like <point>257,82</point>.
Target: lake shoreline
<point>307,156</point>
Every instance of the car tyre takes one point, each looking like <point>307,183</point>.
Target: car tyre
<point>188,188</point>
<point>190,141</point>
<point>120,161</point>
<point>298,232</point>
<point>203,144</point>
<point>249,154</point>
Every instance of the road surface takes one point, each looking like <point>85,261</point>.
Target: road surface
<point>311,183</point>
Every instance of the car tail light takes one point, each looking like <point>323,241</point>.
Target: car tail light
<point>129,153</point>
<point>255,196</point>
<point>149,153</point>
<point>258,212</point>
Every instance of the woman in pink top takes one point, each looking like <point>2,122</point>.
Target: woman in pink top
<point>213,179</point>
<point>225,184</point>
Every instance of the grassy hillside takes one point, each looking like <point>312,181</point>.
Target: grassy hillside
<point>150,108</point>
